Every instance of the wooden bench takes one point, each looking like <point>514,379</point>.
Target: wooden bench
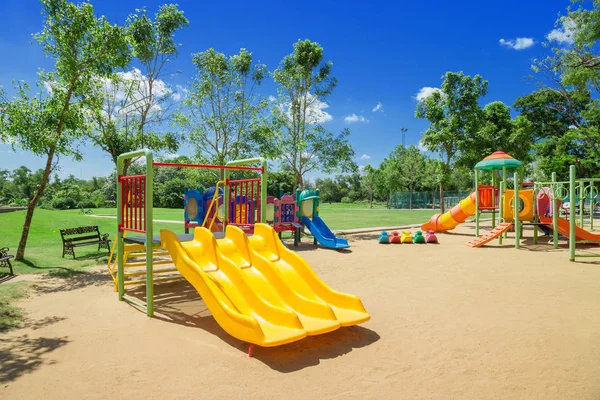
<point>5,259</point>
<point>83,236</point>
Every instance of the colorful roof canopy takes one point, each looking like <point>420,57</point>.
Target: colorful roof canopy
<point>497,161</point>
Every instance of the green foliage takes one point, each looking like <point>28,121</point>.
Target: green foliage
<point>221,107</point>
<point>296,135</point>
<point>133,106</point>
<point>280,180</point>
<point>83,47</point>
<point>11,316</point>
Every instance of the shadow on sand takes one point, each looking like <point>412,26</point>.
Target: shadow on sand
<point>173,299</point>
<point>23,354</point>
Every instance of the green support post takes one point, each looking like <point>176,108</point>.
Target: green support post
<point>149,231</point>
<point>581,202</point>
<point>476,203</point>
<point>572,217</point>
<point>493,199</point>
<point>554,211</point>
<point>299,234</point>
<point>504,173</point>
<point>501,207</point>
<point>535,226</point>
<point>516,210</point>
<point>592,198</point>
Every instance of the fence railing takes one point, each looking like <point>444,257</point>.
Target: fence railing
<point>425,200</point>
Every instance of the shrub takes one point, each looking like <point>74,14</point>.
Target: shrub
<point>345,199</point>
<point>64,203</point>
<point>86,203</point>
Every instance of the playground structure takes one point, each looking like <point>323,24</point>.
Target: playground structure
<point>257,290</point>
<point>539,204</point>
<point>308,204</point>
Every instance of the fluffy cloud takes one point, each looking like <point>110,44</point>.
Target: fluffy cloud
<point>426,92</point>
<point>352,118</point>
<point>378,107</point>
<point>421,147</point>
<point>365,157</point>
<point>131,92</point>
<point>272,98</point>
<point>564,34</point>
<point>316,113</point>
<point>519,43</point>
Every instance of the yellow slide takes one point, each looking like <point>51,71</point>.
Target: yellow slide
<point>348,309</point>
<point>234,304</point>
<point>250,296</point>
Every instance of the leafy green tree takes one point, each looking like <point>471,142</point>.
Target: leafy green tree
<point>433,175</point>
<point>83,47</point>
<point>454,114</point>
<point>369,180</point>
<point>296,135</point>
<point>411,167</point>
<point>222,107</point>
<point>135,104</point>
<point>280,180</point>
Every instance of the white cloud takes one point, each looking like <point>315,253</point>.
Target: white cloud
<point>272,98</point>
<point>378,107</point>
<point>171,156</point>
<point>365,157</point>
<point>519,43</point>
<point>131,92</point>
<point>352,118</point>
<point>425,92</point>
<point>48,87</point>
<point>316,113</point>
<point>422,147</point>
<point>564,34</point>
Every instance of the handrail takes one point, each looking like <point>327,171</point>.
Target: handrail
<point>210,206</point>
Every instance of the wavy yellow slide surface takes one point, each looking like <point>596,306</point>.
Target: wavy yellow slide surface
<point>254,293</point>
<point>234,304</point>
<point>296,272</point>
<point>450,220</point>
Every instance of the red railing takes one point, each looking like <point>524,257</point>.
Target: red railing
<point>245,201</point>
<point>133,203</point>
<point>486,194</point>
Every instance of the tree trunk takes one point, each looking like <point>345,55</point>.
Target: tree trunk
<point>442,198</point>
<point>371,200</point>
<point>410,200</point>
<point>31,207</point>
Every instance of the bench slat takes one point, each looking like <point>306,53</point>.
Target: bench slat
<point>79,239</point>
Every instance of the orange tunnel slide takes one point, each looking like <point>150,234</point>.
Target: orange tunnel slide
<point>449,220</point>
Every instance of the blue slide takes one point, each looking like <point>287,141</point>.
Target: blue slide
<point>323,234</point>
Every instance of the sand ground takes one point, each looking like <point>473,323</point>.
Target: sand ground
<point>447,322</point>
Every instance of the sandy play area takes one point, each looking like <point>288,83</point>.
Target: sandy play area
<point>447,322</point>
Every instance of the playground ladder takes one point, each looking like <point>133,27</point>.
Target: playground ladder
<point>491,235</point>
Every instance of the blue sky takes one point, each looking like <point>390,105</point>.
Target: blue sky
<point>383,52</point>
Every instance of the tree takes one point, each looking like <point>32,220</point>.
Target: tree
<point>135,104</point>
<point>296,135</point>
<point>432,177</point>
<point>453,113</point>
<point>564,113</point>
<point>83,47</point>
<point>497,131</point>
<point>222,107</point>
<point>369,181</point>
<point>411,165</point>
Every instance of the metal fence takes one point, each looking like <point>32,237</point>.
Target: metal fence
<point>425,200</point>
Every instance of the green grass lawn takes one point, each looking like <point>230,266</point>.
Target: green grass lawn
<point>44,248</point>
<point>11,316</point>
